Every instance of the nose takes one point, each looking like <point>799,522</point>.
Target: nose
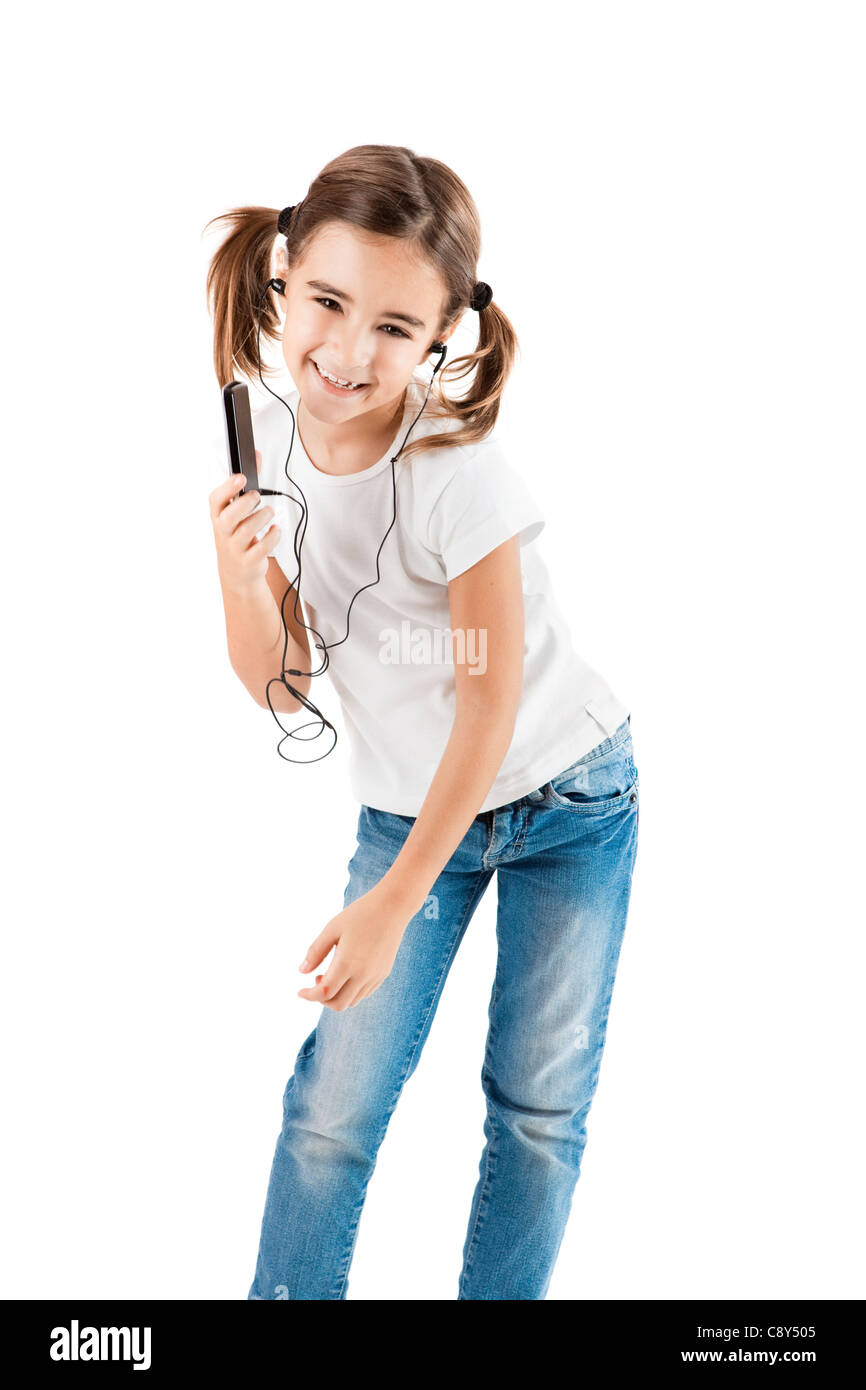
<point>352,351</point>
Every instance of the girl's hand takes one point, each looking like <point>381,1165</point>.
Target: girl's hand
<point>367,935</point>
<point>242,560</point>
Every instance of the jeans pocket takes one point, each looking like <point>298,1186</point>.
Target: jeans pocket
<point>598,783</point>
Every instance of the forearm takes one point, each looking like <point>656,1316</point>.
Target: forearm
<point>480,738</point>
<point>255,638</point>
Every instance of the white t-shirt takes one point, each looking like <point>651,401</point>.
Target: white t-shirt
<point>394,675</point>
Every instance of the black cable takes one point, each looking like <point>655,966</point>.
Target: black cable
<point>322,645</point>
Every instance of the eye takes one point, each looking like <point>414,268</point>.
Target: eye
<point>394,330</point>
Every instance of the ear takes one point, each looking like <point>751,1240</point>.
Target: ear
<point>440,338</point>
<point>281,270</point>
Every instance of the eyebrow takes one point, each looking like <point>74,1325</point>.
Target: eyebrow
<point>388,313</point>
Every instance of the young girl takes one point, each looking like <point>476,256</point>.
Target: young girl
<point>508,755</point>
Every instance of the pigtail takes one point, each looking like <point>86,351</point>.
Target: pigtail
<point>237,275</point>
<point>478,409</point>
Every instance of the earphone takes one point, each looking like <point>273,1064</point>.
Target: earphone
<point>280,287</point>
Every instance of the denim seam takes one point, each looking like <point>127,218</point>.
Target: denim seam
<point>489,1169</point>
<point>485,1183</point>
<point>521,831</point>
<point>483,878</point>
<point>484,863</point>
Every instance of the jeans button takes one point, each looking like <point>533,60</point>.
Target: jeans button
<point>632,797</point>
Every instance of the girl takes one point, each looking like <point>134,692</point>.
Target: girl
<point>509,756</point>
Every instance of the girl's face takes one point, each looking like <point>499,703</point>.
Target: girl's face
<point>363,308</point>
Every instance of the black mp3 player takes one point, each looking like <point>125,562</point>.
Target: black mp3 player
<point>240,444</point>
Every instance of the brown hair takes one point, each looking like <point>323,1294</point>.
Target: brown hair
<point>389,190</point>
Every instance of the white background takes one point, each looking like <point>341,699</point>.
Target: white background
<point>673,218</point>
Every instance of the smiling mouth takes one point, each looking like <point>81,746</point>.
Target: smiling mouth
<point>356,386</point>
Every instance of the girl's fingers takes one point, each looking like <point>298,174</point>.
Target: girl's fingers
<point>342,997</point>
<point>247,526</point>
<point>268,540</point>
<point>347,997</point>
<point>226,493</point>
<point>317,993</point>
<point>236,508</point>
<point>325,990</point>
<point>232,486</point>
<point>336,978</point>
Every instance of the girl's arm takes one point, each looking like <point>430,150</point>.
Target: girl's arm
<point>253,586</point>
<point>486,604</point>
<point>254,632</point>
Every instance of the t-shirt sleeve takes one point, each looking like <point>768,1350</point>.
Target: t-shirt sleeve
<point>483,504</point>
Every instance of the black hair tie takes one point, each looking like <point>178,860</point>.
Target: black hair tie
<point>285,218</point>
<point>481,296</point>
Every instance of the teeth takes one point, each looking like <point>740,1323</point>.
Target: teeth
<point>338,380</point>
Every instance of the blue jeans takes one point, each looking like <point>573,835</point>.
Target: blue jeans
<point>564,856</point>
